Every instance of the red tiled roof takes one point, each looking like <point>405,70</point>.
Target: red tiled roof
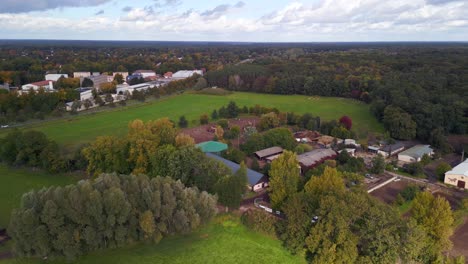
<point>41,83</point>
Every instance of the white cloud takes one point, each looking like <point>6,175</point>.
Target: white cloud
<point>326,20</point>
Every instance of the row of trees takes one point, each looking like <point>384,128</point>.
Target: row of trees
<point>14,108</point>
<point>107,212</point>
<point>330,223</point>
<point>34,149</point>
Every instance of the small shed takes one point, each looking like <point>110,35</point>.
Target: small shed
<point>392,149</point>
<point>265,153</point>
<point>212,146</point>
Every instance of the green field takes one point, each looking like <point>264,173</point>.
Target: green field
<point>225,241</point>
<point>84,128</point>
<point>15,182</point>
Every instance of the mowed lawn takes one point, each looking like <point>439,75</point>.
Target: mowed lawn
<point>85,128</point>
<point>15,182</point>
<point>225,241</point>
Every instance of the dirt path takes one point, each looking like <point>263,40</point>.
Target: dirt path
<point>460,241</point>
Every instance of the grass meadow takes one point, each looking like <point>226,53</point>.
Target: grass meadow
<point>225,240</point>
<point>84,128</point>
<point>15,182</point>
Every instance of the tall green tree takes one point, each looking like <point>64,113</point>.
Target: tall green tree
<point>435,217</point>
<point>284,178</point>
<point>399,123</point>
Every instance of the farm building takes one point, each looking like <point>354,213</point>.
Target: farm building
<point>315,157</point>
<point>458,176</point>
<point>415,153</point>
<point>212,146</point>
<point>256,181</point>
<point>390,150</point>
<point>351,151</point>
<point>265,153</point>
<point>328,141</point>
<point>306,136</point>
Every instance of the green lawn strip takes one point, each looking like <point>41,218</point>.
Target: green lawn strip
<point>81,129</point>
<point>405,207</point>
<point>225,240</point>
<point>15,182</point>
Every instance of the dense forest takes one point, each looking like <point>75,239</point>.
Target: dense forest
<point>418,90</point>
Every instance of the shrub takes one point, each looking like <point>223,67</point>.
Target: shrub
<point>346,122</point>
<point>224,123</point>
<point>204,119</point>
<point>442,169</point>
<point>260,221</point>
<point>409,192</point>
<point>183,122</point>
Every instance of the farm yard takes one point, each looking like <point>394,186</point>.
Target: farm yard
<point>225,240</point>
<point>84,128</point>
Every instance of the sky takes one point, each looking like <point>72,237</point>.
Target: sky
<point>236,20</point>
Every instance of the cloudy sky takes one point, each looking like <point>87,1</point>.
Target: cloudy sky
<point>237,20</point>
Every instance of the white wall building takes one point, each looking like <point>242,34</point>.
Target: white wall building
<point>46,85</point>
<point>86,95</point>
<point>81,74</point>
<point>458,176</point>
<point>55,77</point>
<point>146,73</point>
<point>186,74</point>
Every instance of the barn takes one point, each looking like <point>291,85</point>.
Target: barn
<point>314,158</point>
<point>256,180</point>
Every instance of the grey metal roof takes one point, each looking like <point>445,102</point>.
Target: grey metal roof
<point>268,152</point>
<point>253,177</point>
<point>460,169</point>
<point>417,151</point>
<point>315,156</point>
<point>393,147</point>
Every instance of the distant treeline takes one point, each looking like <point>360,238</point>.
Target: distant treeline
<point>425,83</point>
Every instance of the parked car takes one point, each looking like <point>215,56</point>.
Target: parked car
<point>5,126</point>
<point>369,176</point>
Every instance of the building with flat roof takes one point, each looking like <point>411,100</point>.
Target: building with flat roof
<point>81,74</point>
<point>186,74</point>
<point>415,153</point>
<point>55,77</point>
<point>458,176</point>
<point>145,73</point>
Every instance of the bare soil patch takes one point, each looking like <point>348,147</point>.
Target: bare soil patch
<point>389,192</point>
<point>204,133</point>
<point>460,241</point>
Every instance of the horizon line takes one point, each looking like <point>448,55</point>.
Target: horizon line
<point>246,42</point>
